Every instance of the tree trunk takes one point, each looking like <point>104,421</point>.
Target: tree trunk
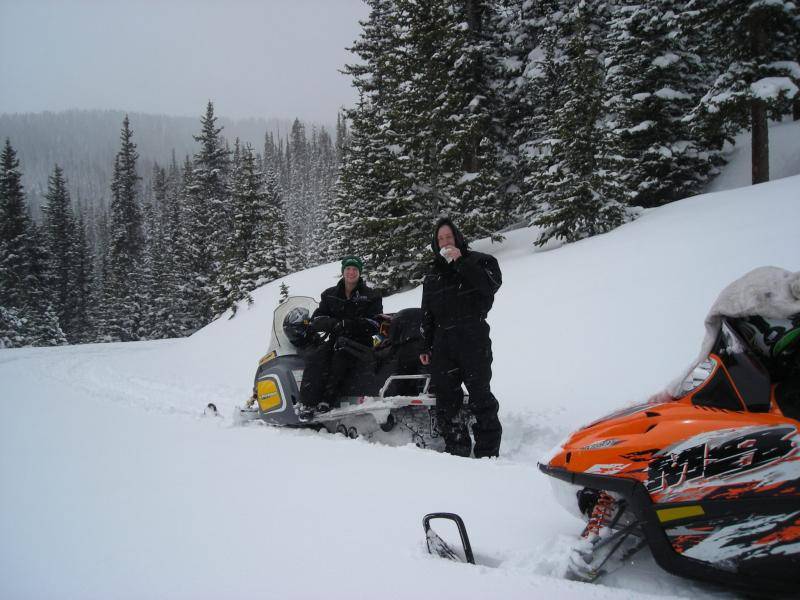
<point>760,141</point>
<point>758,109</point>
<point>796,108</point>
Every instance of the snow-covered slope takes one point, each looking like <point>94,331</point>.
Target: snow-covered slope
<point>112,484</point>
<point>784,157</point>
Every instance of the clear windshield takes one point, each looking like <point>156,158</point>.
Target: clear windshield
<point>742,384</point>
<point>279,343</point>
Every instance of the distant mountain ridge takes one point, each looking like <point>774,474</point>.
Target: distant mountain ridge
<point>84,143</point>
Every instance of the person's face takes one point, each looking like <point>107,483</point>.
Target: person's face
<point>445,236</point>
<point>351,274</point>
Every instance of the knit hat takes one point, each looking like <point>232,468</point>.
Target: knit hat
<point>353,261</point>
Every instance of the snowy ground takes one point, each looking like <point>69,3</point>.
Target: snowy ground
<point>112,484</point>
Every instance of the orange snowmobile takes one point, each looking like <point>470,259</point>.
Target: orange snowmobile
<point>710,481</point>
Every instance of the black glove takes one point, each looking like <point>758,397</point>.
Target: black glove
<point>323,324</point>
<point>344,327</point>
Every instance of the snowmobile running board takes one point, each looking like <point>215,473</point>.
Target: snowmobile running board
<point>359,405</point>
<point>437,546</point>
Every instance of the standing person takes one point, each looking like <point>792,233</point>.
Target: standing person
<point>347,309</point>
<point>456,297</point>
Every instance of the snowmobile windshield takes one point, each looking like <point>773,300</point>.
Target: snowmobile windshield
<point>740,382</point>
<point>280,343</point>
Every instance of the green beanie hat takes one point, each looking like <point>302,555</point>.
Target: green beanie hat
<point>353,261</point>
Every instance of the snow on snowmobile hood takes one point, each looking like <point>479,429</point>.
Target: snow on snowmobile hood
<point>766,291</point>
<point>461,243</point>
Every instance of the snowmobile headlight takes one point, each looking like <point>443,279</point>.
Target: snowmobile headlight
<point>268,394</point>
<point>566,494</point>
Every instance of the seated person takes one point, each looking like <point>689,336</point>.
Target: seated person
<point>345,310</point>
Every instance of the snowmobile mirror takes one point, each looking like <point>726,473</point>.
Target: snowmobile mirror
<point>453,528</point>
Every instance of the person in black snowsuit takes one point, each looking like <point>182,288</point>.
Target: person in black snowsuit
<point>348,309</point>
<point>456,297</point>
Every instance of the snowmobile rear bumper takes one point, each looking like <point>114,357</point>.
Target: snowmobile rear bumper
<point>752,544</point>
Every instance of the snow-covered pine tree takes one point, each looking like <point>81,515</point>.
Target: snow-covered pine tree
<point>755,42</point>
<point>322,179</point>
<point>59,237</point>
<point>458,65</point>
<point>123,295</point>
<point>207,212</point>
<point>382,210</point>
<point>299,200</point>
<point>526,40</point>
<point>258,254</point>
<point>341,136</point>
<point>15,232</point>
<point>98,234</point>
<point>652,82</point>
<point>27,316</point>
<point>573,205</point>
<point>81,327</point>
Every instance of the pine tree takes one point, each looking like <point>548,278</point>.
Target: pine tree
<point>574,206</point>
<point>124,297</point>
<point>27,316</point>
<point>650,155</point>
<point>208,218</point>
<point>258,252</point>
<point>299,200</point>
<point>756,44</point>
<point>385,202</point>
<point>59,233</point>
<point>15,231</point>
<point>80,326</point>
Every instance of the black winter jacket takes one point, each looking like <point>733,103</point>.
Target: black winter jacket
<point>338,314</point>
<point>460,292</point>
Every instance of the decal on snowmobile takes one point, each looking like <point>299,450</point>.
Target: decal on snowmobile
<point>709,480</point>
<point>744,538</point>
<point>269,394</point>
<point>720,454</point>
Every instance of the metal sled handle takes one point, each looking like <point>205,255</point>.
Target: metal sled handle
<point>462,531</point>
<point>392,378</point>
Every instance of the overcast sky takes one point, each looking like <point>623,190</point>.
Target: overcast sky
<point>252,58</point>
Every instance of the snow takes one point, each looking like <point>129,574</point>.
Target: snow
<point>771,88</point>
<point>666,93</point>
<point>113,484</point>
<point>790,66</point>
<point>784,157</point>
<point>666,60</point>
<point>643,126</point>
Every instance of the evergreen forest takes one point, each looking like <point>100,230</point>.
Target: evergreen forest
<point>569,116</point>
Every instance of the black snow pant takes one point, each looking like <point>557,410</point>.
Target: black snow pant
<point>463,353</point>
<point>325,370</point>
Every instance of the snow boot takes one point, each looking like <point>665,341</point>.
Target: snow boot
<point>304,413</point>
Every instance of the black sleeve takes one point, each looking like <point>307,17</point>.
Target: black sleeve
<point>482,271</point>
<point>375,307</point>
<point>324,308</point>
<point>428,325</point>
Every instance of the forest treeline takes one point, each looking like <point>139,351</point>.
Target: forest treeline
<point>560,114</point>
